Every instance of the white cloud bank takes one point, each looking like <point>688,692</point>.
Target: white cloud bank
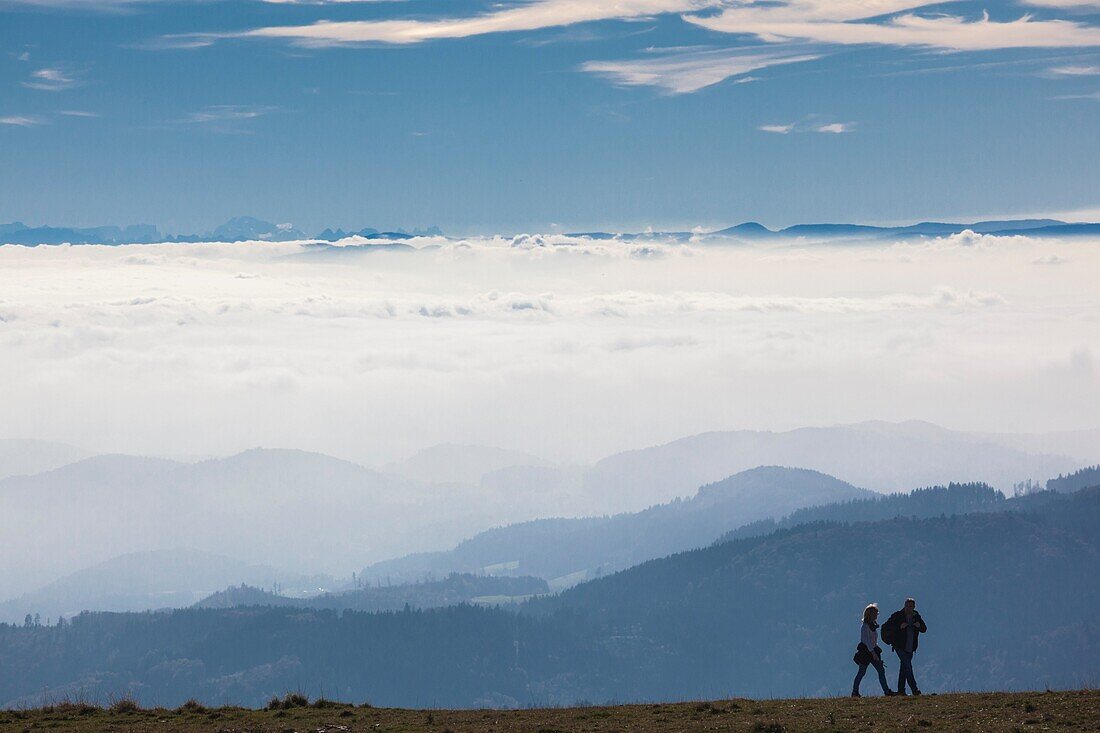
<point>561,346</point>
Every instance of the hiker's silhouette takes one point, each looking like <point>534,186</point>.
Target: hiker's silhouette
<point>902,631</point>
<point>868,652</point>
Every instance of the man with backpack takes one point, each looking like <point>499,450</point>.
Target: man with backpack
<point>902,632</point>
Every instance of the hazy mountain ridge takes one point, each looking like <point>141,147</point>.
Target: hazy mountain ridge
<point>137,582</point>
<point>771,615</point>
<point>262,506</point>
<point>935,501</point>
<point>454,463</point>
<point>880,456</point>
<point>566,551</point>
<point>268,490</point>
<point>237,229</point>
<point>248,228</point>
<point>24,457</point>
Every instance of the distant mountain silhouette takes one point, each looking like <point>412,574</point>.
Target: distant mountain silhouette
<point>18,233</point>
<point>300,511</point>
<point>876,455</point>
<point>568,551</point>
<point>749,229</point>
<point>1059,230</point>
<point>448,462</point>
<point>25,457</point>
<point>1008,227</point>
<point>247,228</point>
<point>329,235</point>
<point>137,582</point>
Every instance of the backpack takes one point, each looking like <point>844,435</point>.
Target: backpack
<point>889,631</point>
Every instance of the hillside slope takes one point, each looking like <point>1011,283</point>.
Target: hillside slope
<point>772,615</point>
<point>433,594</point>
<point>566,551</point>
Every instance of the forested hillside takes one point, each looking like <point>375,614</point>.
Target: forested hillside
<point>1082,479</point>
<point>1008,597</point>
<point>921,504</point>
<point>454,589</point>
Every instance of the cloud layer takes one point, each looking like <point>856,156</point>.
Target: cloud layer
<point>566,346</point>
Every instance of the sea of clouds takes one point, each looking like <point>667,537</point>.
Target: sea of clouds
<point>567,347</point>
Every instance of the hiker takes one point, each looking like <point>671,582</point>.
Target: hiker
<point>868,651</point>
<point>902,631</point>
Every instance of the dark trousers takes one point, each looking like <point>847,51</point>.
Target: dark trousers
<point>879,667</point>
<point>905,671</point>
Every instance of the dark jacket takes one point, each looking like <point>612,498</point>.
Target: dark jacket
<point>897,618</point>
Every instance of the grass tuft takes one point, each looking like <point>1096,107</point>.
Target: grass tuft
<point>124,706</point>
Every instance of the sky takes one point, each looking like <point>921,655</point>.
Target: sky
<point>567,348</point>
<point>546,115</point>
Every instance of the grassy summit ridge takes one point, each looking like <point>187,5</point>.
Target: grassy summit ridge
<point>1021,711</point>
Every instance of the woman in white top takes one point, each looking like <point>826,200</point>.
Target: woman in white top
<point>868,651</point>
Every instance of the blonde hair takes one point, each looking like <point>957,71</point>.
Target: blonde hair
<point>871,610</point>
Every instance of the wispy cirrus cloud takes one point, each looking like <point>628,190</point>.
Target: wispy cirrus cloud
<point>22,120</point>
<point>324,2</point>
<point>1074,70</point>
<point>858,22</point>
<point>829,128</point>
<point>225,119</point>
<point>1088,95</point>
<point>845,22</point>
<point>226,113</point>
<point>835,128</point>
<point>685,72</point>
<point>1062,4</point>
<point>824,23</point>
<point>530,16</point>
<point>52,79</point>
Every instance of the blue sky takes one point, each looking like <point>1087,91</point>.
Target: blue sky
<point>537,114</point>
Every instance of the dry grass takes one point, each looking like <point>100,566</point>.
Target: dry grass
<point>1034,711</point>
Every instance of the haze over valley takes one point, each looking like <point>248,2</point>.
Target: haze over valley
<point>413,402</point>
